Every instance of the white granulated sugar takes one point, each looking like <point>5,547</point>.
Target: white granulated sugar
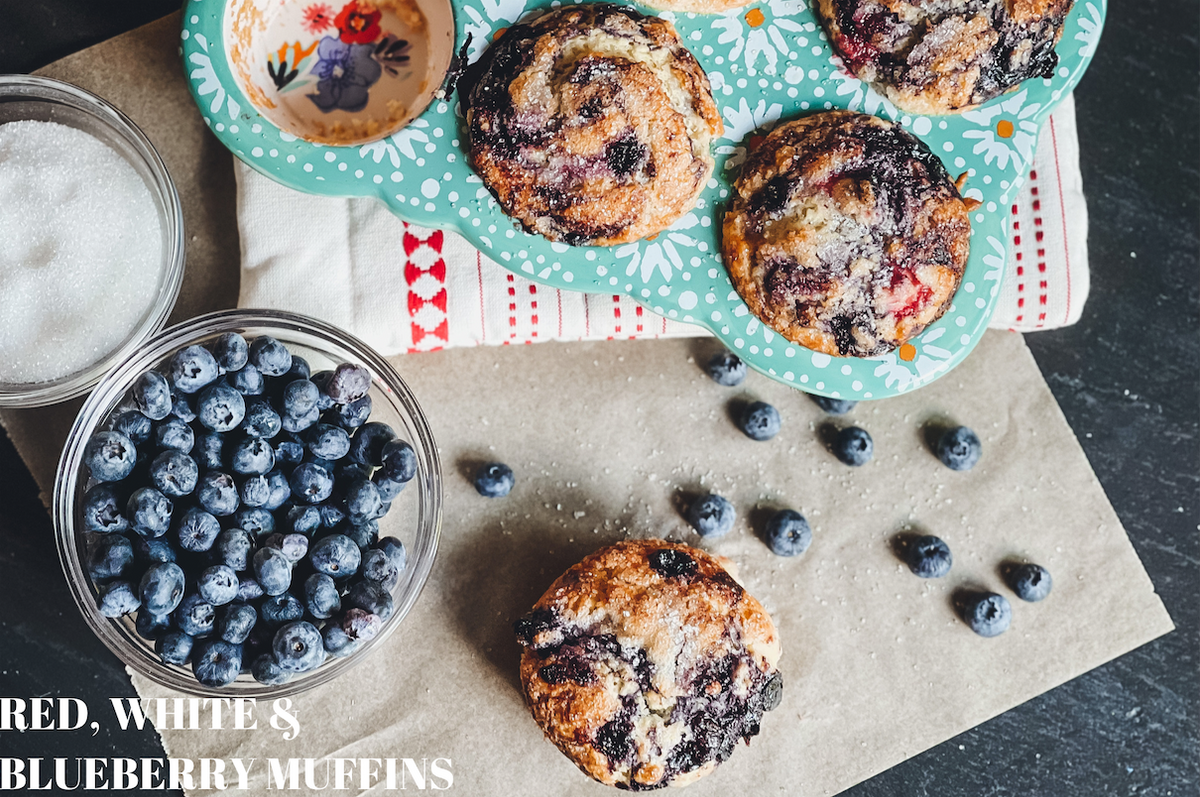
<point>80,250</point>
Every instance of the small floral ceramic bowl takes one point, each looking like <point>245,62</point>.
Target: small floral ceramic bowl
<point>339,72</point>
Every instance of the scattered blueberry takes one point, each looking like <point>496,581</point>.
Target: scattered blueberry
<point>249,589</point>
<point>711,516</point>
<point>216,662</point>
<point>727,369</point>
<point>191,368</point>
<point>231,351</point>
<point>279,490</point>
<point>255,521</point>
<point>270,356</point>
<point>1031,582</point>
<point>760,421</point>
<point>152,394</point>
<point>298,423</point>
<point>928,557</point>
<point>288,451</point>
<point>988,614</point>
<point>109,456</point>
<point>853,446</point>
<point>293,546</point>
<point>303,519</point>
<point>788,533</point>
<point>298,647</point>
<point>395,551</point>
<point>834,406</point>
<point>959,448</point>
<point>494,480</point>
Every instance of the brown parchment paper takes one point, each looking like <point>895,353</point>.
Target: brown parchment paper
<point>612,439</point>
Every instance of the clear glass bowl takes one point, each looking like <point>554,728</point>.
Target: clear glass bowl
<point>415,517</point>
<point>26,97</point>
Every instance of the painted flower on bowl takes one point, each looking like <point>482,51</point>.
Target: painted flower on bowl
<point>358,23</point>
<point>317,18</point>
<point>344,73</point>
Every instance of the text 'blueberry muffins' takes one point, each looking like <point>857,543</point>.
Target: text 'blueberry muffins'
<point>647,662</point>
<point>845,234</point>
<point>592,124</point>
<point>948,56</point>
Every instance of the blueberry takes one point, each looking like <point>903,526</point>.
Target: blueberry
<point>235,622</point>
<point>272,570</point>
<point>255,491</point>
<point>161,588</point>
<point>152,394</point>
<point>175,647</point>
<point>134,425</point>
<point>352,415</point>
<point>331,516</point>
<point>230,351</point>
<point>928,557</point>
<point>216,662</point>
<point>348,383</point>
<point>300,398</point>
<point>760,421</point>
<point>395,551</point>
<point>221,408</point>
<point>348,470</point>
<point>174,473</point>
<point>149,511</point>
<point>270,356</point>
<point>194,615</point>
<point>672,563</point>
<point>102,509</point>
<point>211,453</point>
<point>711,516</point>
<point>191,368</point>
<point>1031,582</point>
<point>298,423</point>
<point>118,598</point>
<point>399,461</point>
<point>293,546</point>
<point>252,455</point>
<point>153,551</point>
<point>217,493</point>
<point>321,596</point>
<point>256,521</point>
<point>248,381</point>
<point>834,406</point>
<point>303,519</point>
<point>494,480</point>
<point>232,548</point>
<point>249,589</point>
<point>337,642</point>
<point>853,446</point>
<point>218,584</point>
<point>337,556</point>
<point>321,380</point>
<point>387,488</point>
<point>279,490</point>
<point>363,501</point>
<point>361,534</point>
<point>196,530</point>
<point>300,369</point>
<point>311,483</point>
<point>788,533</point>
<point>298,647</point>
<point>327,442</point>
<point>288,451</point>
<point>361,625</point>
<point>378,567</point>
<point>370,597</point>
<point>279,609</point>
<point>108,556</point>
<point>261,419</point>
<point>266,671</point>
<point>959,448</point>
<point>366,447</point>
<point>987,613</point>
<point>182,408</point>
<point>110,456</point>
<point>151,626</point>
<point>174,434</point>
<point>727,369</point>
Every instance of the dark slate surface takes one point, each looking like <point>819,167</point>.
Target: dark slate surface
<point>1126,378</point>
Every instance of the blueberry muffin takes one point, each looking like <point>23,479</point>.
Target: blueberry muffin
<point>949,56</point>
<point>592,124</point>
<point>845,234</point>
<point>647,662</point>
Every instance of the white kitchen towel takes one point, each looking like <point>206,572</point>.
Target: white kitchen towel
<point>405,288</point>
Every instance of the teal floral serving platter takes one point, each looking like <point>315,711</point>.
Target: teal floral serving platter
<point>340,71</point>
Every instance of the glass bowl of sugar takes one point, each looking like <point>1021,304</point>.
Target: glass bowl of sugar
<point>91,240</point>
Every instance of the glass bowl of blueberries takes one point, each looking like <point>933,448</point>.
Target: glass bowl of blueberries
<point>248,505</point>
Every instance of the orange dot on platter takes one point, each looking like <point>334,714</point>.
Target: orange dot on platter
<point>499,32</point>
<point>908,352</point>
<point>755,17</point>
<point>1004,128</point>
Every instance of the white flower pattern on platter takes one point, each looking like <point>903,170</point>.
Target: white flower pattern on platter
<point>743,120</point>
<point>661,254</point>
<point>929,361</point>
<point>769,39</point>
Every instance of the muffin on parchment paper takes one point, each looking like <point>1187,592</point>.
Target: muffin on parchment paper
<point>646,664</point>
<point>592,124</point>
<point>845,234</point>
<point>948,56</point>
